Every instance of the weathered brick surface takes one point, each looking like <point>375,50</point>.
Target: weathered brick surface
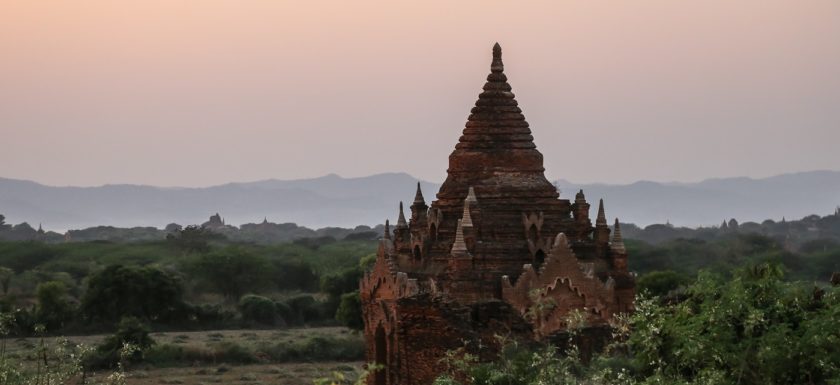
<point>518,245</point>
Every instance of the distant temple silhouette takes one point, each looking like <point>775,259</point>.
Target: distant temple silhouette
<point>497,241</point>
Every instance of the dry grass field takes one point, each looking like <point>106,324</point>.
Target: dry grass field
<point>212,371</point>
<point>259,374</point>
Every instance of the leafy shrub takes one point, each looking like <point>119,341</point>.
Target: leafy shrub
<point>143,292</point>
<point>232,271</point>
<point>306,309</point>
<point>660,283</point>
<point>53,309</point>
<point>349,311</point>
<point>257,309</point>
<point>130,331</point>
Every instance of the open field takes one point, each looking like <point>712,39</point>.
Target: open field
<point>215,364</point>
<point>258,374</point>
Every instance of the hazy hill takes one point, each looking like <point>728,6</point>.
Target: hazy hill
<point>335,201</point>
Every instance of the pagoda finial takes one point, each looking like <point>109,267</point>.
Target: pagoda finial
<point>497,65</point>
<point>401,223</point>
<point>617,242</point>
<point>387,230</point>
<point>418,197</point>
<point>471,198</point>
<point>602,218</point>
<point>459,248</point>
<point>579,197</point>
<point>466,219</point>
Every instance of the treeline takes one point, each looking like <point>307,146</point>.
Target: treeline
<point>194,279</point>
<point>793,234</point>
<point>814,260</point>
<point>259,233</point>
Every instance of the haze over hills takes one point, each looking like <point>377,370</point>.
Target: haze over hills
<point>346,202</point>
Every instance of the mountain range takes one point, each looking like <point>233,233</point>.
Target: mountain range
<point>346,202</point>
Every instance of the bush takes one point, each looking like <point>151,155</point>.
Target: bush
<point>660,283</point>
<point>130,331</point>
<point>257,309</point>
<point>317,348</point>
<point>232,271</point>
<point>53,309</point>
<point>144,292</point>
<point>212,316</point>
<point>295,276</point>
<point>349,311</point>
<point>306,309</point>
<point>285,312</point>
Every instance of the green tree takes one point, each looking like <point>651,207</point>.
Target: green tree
<point>6,275</point>
<point>130,332</point>
<point>53,309</point>
<point>660,283</point>
<point>144,292</point>
<point>258,309</point>
<point>751,328</point>
<point>193,238</point>
<point>294,275</point>
<point>233,271</point>
<point>350,311</point>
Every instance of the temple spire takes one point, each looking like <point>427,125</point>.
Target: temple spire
<point>602,218</point>
<point>418,197</point>
<point>401,223</point>
<point>459,248</point>
<point>387,230</point>
<point>617,242</point>
<point>497,66</point>
<point>466,219</point>
<point>579,197</point>
<point>471,198</point>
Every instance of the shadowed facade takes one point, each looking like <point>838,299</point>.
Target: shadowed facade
<point>497,240</point>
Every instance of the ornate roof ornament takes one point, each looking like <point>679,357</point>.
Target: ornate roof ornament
<point>466,219</point>
<point>459,247</point>
<point>471,198</point>
<point>401,222</point>
<point>617,242</point>
<point>418,197</point>
<point>602,218</point>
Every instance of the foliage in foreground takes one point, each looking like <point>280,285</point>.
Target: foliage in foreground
<point>61,362</point>
<point>751,328</point>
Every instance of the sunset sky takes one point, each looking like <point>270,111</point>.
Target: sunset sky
<point>195,93</point>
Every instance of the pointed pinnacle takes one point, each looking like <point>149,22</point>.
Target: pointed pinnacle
<point>617,242</point>
<point>497,65</point>
<point>471,196</point>
<point>466,219</point>
<point>387,230</point>
<point>459,247</point>
<point>418,197</point>
<point>401,223</point>
<point>602,218</point>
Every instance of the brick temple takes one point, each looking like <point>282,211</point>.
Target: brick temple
<point>498,239</point>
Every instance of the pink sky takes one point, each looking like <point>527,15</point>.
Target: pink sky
<point>195,93</point>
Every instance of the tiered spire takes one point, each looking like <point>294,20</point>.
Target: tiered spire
<point>618,243</point>
<point>459,248</point>
<point>401,222</point>
<point>496,120</point>
<point>579,197</point>
<point>466,219</point>
<point>387,230</point>
<point>471,198</point>
<point>418,196</point>
<point>602,218</point>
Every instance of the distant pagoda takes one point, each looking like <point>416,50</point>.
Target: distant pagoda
<point>467,267</point>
